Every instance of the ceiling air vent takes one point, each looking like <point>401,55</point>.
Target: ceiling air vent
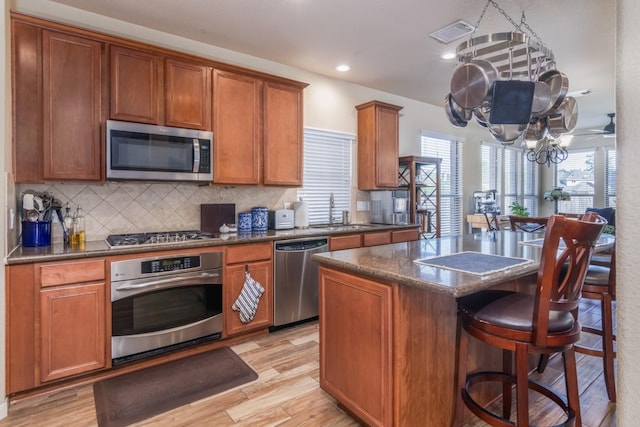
<point>452,31</point>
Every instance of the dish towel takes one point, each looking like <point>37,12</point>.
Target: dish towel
<point>247,301</point>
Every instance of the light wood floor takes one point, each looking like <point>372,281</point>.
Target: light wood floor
<point>287,392</point>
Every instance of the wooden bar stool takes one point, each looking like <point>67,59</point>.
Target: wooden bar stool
<point>600,285</point>
<point>524,324</point>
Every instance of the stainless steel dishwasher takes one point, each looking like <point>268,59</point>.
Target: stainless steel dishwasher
<point>296,279</point>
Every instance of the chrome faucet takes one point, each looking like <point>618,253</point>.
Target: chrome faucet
<point>332,205</point>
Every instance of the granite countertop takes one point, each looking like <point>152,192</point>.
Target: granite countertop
<point>396,263</point>
<point>96,248</point>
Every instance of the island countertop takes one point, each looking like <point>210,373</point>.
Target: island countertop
<point>396,263</point>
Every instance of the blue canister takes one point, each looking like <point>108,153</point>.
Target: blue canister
<point>36,233</point>
<point>244,221</point>
<point>259,218</point>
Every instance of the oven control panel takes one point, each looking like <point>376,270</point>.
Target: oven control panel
<point>169,264</point>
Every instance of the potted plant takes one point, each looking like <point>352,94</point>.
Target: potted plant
<point>518,210</point>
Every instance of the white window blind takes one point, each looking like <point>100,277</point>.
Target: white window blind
<point>449,149</point>
<point>577,176</point>
<point>327,169</point>
<point>611,181</point>
<point>507,171</point>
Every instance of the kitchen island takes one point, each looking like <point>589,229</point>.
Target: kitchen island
<point>388,323</point>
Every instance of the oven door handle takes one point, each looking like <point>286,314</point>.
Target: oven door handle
<point>171,281</point>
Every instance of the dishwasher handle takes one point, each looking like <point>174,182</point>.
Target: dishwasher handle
<point>301,245</point>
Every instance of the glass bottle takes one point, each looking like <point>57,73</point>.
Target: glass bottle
<point>68,224</point>
<point>78,227</point>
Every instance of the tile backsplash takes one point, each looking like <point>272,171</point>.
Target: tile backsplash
<point>130,207</point>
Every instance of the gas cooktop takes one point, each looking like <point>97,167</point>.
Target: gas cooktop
<point>156,238</point>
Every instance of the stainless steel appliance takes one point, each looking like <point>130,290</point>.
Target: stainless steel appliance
<point>147,152</point>
<point>485,202</point>
<point>162,303</point>
<point>296,279</point>
<point>158,238</point>
<point>390,207</point>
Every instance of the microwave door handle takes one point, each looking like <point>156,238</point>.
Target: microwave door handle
<point>196,155</point>
<point>167,282</point>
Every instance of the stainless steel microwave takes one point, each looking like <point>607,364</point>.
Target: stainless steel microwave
<point>157,153</point>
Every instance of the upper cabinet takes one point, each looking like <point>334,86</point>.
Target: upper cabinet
<point>150,88</point>
<point>62,74</point>
<point>66,82</point>
<point>377,145</point>
<point>257,128</point>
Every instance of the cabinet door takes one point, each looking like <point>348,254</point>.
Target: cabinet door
<point>27,93</point>
<point>187,95</point>
<point>72,330</point>
<point>283,143</point>
<point>404,235</point>
<point>234,278</point>
<point>350,241</point>
<point>237,125</point>
<point>355,318</point>
<point>72,107</point>
<point>386,147</point>
<point>134,85</point>
<point>377,238</point>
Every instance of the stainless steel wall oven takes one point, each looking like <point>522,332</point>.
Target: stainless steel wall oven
<point>163,303</point>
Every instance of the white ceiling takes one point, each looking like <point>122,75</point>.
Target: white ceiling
<point>386,42</point>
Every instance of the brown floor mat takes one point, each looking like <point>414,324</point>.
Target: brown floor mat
<point>138,395</point>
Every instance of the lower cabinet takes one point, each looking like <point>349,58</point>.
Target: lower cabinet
<point>257,260</point>
<point>56,321</point>
<point>350,241</point>
<point>405,235</point>
<point>72,330</point>
<point>357,321</point>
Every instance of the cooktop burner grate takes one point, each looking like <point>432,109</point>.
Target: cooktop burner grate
<point>156,238</point>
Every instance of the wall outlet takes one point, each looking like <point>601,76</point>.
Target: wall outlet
<point>362,205</point>
<point>287,205</point>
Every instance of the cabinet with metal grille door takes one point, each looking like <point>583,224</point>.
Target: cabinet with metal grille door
<point>421,177</point>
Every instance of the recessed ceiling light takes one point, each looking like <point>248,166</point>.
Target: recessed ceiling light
<point>448,55</point>
<point>343,67</point>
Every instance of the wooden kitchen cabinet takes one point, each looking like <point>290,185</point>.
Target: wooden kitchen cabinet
<point>405,235</point>
<point>56,321</point>
<point>257,126</point>
<point>136,90</point>
<point>237,127</point>
<point>362,309</point>
<point>350,241</point>
<point>57,104</point>
<point>73,336</point>
<point>187,95</point>
<point>282,139</point>
<point>377,145</point>
<point>257,260</point>
<point>151,88</point>
<point>376,238</point>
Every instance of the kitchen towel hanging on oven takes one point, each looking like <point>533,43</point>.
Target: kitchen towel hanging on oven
<point>247,301</point>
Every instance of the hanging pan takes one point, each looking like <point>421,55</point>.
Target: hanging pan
<point>559,85</point>
<point>471,82</point>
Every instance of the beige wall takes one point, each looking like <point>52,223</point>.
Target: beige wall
<point>329,105</point>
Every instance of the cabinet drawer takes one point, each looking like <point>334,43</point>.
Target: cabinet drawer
<point>404,235</point>
<point>377,238</point>
<point>345,242</point>
<point>71,272</point>
<point>252,252</point>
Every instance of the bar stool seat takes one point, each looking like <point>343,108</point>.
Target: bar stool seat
<point>521,324</point>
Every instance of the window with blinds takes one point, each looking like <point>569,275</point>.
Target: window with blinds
<point>327,169</point>
<point>577,177</point>
<point>449,149</point>
<point>610,177</point>
<point>515,179</point>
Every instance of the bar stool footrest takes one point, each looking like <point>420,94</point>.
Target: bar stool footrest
<point>496,420</point>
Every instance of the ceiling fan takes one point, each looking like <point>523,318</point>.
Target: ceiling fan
<point>609,131</point>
